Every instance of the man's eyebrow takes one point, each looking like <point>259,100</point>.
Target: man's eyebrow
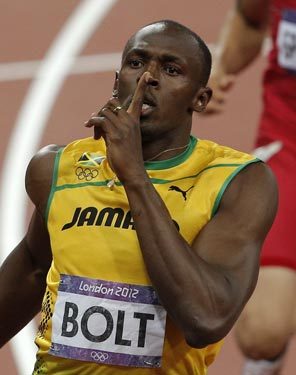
<point>165,57</point>
<point>139,52</point>
<point>173,58</point>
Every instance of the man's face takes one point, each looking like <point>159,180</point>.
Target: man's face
<point>173,60</point>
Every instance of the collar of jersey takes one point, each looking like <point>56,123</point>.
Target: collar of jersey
<point>176,160</point>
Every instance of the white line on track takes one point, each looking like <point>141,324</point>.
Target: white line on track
<point>26,137</point>
<point>22,70</point>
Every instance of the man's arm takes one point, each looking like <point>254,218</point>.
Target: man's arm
<point>239,44</point>
<point>22,280</point>
<point>23,273</point>
<point>205,287</point>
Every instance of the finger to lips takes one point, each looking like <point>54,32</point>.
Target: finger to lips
<point>135,107</point>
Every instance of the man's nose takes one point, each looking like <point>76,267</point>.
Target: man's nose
<point>153,69</point>
<point>153,81</point>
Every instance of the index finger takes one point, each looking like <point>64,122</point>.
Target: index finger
<point>135,107</point>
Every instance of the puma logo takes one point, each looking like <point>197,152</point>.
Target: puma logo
<point>183,192</point>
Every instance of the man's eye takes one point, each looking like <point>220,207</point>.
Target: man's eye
<point>172,70</point>
<point>136,64</point>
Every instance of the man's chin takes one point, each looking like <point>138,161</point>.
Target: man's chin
<point>147,130</point>
<point>144,118</point>
<point>145,123</point>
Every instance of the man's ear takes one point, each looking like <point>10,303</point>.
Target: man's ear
<point>115,86</point>
<point>202,98</point>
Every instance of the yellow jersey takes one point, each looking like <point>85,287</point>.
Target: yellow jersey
<point>100,313</point>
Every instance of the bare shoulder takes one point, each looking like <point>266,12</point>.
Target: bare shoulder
<point>256,178</point>
<point>253,196</point>
<point>39,176</point>
<point>240,225</point>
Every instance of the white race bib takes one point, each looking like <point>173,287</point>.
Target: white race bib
<point>108,323</point>
<point>286,40</point>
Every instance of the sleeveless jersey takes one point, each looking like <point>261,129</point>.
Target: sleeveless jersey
<point>278,121</point>
<point>100,313</point>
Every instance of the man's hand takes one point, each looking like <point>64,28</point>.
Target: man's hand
<point>220,83</point>
<point>119,125</point>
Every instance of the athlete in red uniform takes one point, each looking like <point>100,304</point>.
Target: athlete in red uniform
<point>269,319</point>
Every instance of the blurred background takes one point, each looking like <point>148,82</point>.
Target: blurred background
<point>57,66</point>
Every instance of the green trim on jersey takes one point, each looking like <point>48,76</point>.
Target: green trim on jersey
<point>176,160</point>
<point>54,181</point>
<point>82,184</point>
<point>155,181</point>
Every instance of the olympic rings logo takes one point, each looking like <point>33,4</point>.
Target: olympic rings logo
<point>86,173</point>
<point>99,356</point>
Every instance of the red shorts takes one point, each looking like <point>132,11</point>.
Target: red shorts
<point>279,248</point>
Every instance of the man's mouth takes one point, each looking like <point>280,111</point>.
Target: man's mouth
<point>147,109</point>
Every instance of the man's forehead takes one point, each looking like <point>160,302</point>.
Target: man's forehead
<point>159,35</point>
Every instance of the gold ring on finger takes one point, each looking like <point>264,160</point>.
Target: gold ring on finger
<point>116,109</point>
